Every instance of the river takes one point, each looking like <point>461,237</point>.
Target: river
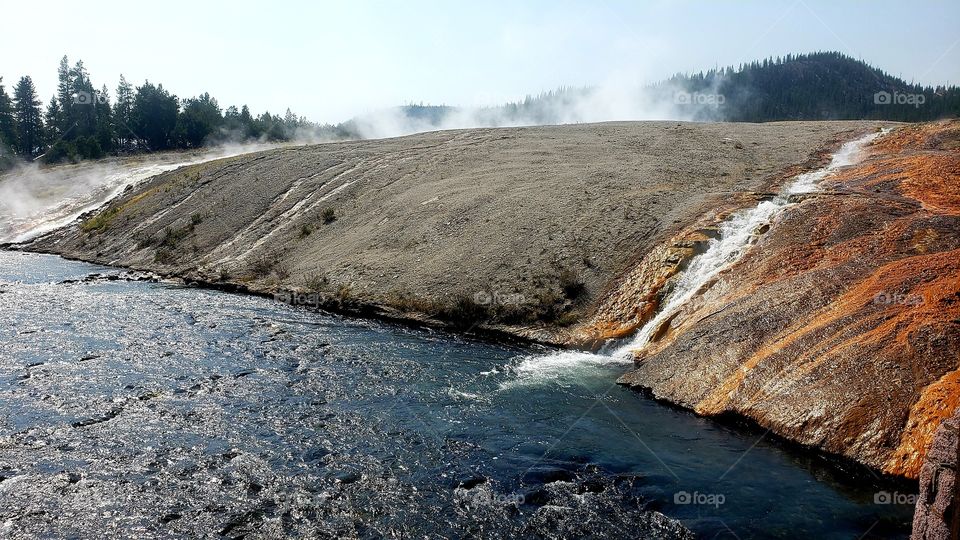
<point>143,408</point>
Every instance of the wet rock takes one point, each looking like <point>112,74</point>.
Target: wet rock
<point>537,497</point>
<point>167,518</point>
<point>937,503</point>
<point>546,475</point>
<point>472,482</point>
<point>346,477</point>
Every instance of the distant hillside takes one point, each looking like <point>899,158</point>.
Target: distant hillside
<point>820,86</point>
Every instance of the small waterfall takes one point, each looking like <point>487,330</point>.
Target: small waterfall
<point>737,233</point>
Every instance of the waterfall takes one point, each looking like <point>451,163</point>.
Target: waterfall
<point>737,233</point>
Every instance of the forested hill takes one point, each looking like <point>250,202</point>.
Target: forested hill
<point>819,86</point>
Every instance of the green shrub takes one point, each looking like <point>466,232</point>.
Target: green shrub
<point>171,236</point>
<point>329,215</point>
<point>163,256</point>
<point>464,312</point>
<point>101,221</point>
<point>262,267</point>
<point>572,286</point>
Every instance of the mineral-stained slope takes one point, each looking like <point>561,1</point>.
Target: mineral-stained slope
<point>840,328</point>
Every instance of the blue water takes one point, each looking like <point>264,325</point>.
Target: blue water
<point>132,408</point>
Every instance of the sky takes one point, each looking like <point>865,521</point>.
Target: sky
<point>330,61</point>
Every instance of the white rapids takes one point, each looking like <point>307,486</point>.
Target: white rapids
<point>736,234</point>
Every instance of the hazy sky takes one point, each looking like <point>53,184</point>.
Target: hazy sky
<point>332,60</point>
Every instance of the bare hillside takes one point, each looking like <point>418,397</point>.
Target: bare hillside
<point>525,227</point>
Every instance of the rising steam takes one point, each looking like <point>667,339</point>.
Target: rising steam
<point>609,102</point>
<point>35,200</point>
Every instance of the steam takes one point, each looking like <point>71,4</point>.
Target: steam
<point>609,102</point>
<point>35,200</point>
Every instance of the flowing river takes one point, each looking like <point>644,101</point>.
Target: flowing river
<point>134,408</point>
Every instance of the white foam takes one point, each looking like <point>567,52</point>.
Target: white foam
<point>559,365</point>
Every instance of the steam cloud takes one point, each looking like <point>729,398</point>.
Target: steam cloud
<point>610,102</point>
<point>35,200</point>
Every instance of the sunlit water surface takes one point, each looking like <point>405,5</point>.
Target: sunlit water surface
<point>147,409</point>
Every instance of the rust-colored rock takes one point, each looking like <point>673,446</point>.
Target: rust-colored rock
<point>840,328</point>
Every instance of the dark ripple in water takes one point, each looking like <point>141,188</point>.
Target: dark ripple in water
<point>136,409</point>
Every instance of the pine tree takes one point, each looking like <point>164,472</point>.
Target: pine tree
<point>28,117</point>
<point>51,121</point>
<point>8,129</point>
<point>154,116</point>
<point>64,97</point>
<point>84,99</point>
<point>247,127</point>
<point>105,128</point>
<point>121,112</point>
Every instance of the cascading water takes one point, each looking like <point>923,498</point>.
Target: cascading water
<point>736,234</point>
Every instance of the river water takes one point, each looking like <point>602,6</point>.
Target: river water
<point>147,409</point>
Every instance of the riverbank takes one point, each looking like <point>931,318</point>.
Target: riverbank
<point>519,230</point>
<point>839,328</point>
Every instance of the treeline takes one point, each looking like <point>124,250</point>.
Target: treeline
<point>83,122</point>
<point>816,86</point>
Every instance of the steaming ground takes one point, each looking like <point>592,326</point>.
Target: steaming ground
<point>35,200</point>
<point>617,99</point>
<point>531,223</point>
